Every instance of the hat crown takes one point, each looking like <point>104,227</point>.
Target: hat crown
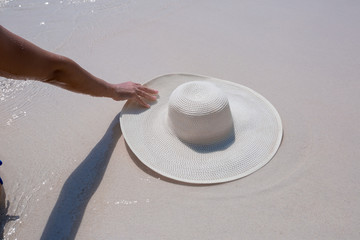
<point>199,113</point>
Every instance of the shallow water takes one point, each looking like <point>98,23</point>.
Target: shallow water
<point>56,146</point>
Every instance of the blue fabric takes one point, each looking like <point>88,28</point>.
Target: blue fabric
<point>1,181</point>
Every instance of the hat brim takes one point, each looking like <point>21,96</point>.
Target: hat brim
<point>257,135</point>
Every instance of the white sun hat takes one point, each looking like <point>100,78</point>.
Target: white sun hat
<point>202,130</point>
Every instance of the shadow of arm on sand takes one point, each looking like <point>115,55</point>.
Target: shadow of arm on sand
<point>66,216</point>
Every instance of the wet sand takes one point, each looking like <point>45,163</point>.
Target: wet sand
<point>68,172</point>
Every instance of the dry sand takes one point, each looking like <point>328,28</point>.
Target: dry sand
<point>68,172</point>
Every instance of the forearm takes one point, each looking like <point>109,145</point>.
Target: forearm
<point>69,75</point>
<point>20,59</point>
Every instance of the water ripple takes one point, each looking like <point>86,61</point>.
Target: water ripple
<point>16,99</point>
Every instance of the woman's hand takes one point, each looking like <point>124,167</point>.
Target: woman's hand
<point>135,91</point>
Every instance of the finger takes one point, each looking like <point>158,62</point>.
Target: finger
<point>141,101</point>
<point>146,95</point>
<point>148,90</point>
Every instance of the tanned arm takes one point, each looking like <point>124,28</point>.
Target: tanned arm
<point>20,59</point>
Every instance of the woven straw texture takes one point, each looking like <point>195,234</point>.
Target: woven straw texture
<point>257,134</point>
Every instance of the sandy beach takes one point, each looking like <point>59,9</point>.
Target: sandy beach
<point>68,173</point>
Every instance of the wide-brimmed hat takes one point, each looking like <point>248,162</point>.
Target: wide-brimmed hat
<point>202,129</point>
